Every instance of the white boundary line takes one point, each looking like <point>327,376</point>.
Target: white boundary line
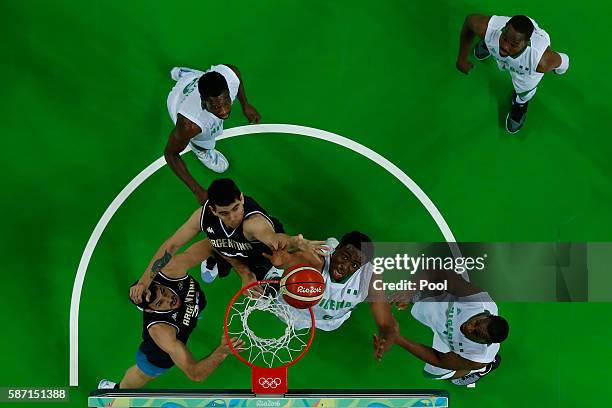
<point>233,132</point>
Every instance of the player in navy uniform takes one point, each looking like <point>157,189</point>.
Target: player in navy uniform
<point>170,313</point>
<point>238,231</point>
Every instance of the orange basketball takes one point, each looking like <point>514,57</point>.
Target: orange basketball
<point>302,286</point>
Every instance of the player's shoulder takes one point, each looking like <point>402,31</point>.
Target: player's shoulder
<point>162,328</point>
<point>540,38</point>
<point>256,220</point>
<point>250,201</point>
<point>228,71</point>
<point>205,209</point>
<point>478,23</point>
<point>497,21</point>
<point>252,207</point>
<point>186,125</point>
<point>481,296</point>
<point>481,301</point>
<point>494,24</point>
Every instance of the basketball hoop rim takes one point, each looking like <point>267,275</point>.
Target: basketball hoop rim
<point>229,339</point>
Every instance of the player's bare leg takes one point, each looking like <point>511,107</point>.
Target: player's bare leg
<point>134,378</point>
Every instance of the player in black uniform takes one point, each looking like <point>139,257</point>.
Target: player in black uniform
<point>169,316</point>
<point>238,231</point>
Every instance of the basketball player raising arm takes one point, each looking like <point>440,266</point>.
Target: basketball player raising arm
<point>466,325</point>
<point>237,229</point>
<point>257,228</point>
<point>348,278</point>
<point>169,317</point>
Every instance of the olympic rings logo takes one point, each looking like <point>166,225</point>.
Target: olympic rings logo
<point>269,382</point>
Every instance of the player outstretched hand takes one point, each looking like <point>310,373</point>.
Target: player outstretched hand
<point>137,291</point>
<point>400,300</point>
<point>251,113</point>
<point>237,343</point>
<point>255,291</point>
<point>464,65</point>
<point>279,257</point>
<point>317,248</point>
<point>384,340</point>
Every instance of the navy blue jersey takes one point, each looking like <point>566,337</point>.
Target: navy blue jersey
<point>233,244</point>
<point>184,319</point>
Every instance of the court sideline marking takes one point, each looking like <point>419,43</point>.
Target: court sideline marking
<point>233,132</point>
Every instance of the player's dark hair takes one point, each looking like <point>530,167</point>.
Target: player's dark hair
<point>144,304</point>
<point>498,329</point>
<point>360,241</point>
<point>211,84</point>
<point>522,24</point>
<point>223,192</point>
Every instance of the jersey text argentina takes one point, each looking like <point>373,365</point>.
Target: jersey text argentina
<point>184,319</point>
<point>232,242</point>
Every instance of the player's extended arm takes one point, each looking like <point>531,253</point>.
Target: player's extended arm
<point>259,228</point>
<point>283,259</point>
<point>164,254</point>
<point>552,60</point>
<point>164,336</point>
<point>192,256</point>
<point>177,142</point>
<point>388,329</point>
<point>450,361</point>
<point>249,111</point>
<point>474,24</point>
<point>241,269</point>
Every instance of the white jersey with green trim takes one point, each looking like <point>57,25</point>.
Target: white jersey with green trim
<point>445,314</point>
<point>339,298</point>
<point>523,67</point>
<point>185,99</point>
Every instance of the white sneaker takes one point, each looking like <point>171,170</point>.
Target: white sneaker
<point>213,159</point>
<point>209,270</point>
<point>177,73</point>
<point>106,385</point>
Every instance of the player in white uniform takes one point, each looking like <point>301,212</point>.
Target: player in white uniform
<point>519,46</point>
<point>198,104</point>
<point>347,272</point>
<point>466,330</point>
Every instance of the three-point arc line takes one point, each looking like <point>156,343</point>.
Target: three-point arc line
<point>233,132</point>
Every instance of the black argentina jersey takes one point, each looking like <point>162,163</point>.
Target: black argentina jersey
<point>184,319</point>
<point>232,242</point>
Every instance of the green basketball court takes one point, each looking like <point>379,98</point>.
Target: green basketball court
<point>84,112</point>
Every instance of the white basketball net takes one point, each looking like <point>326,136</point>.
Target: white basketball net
<point>271,352</point>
